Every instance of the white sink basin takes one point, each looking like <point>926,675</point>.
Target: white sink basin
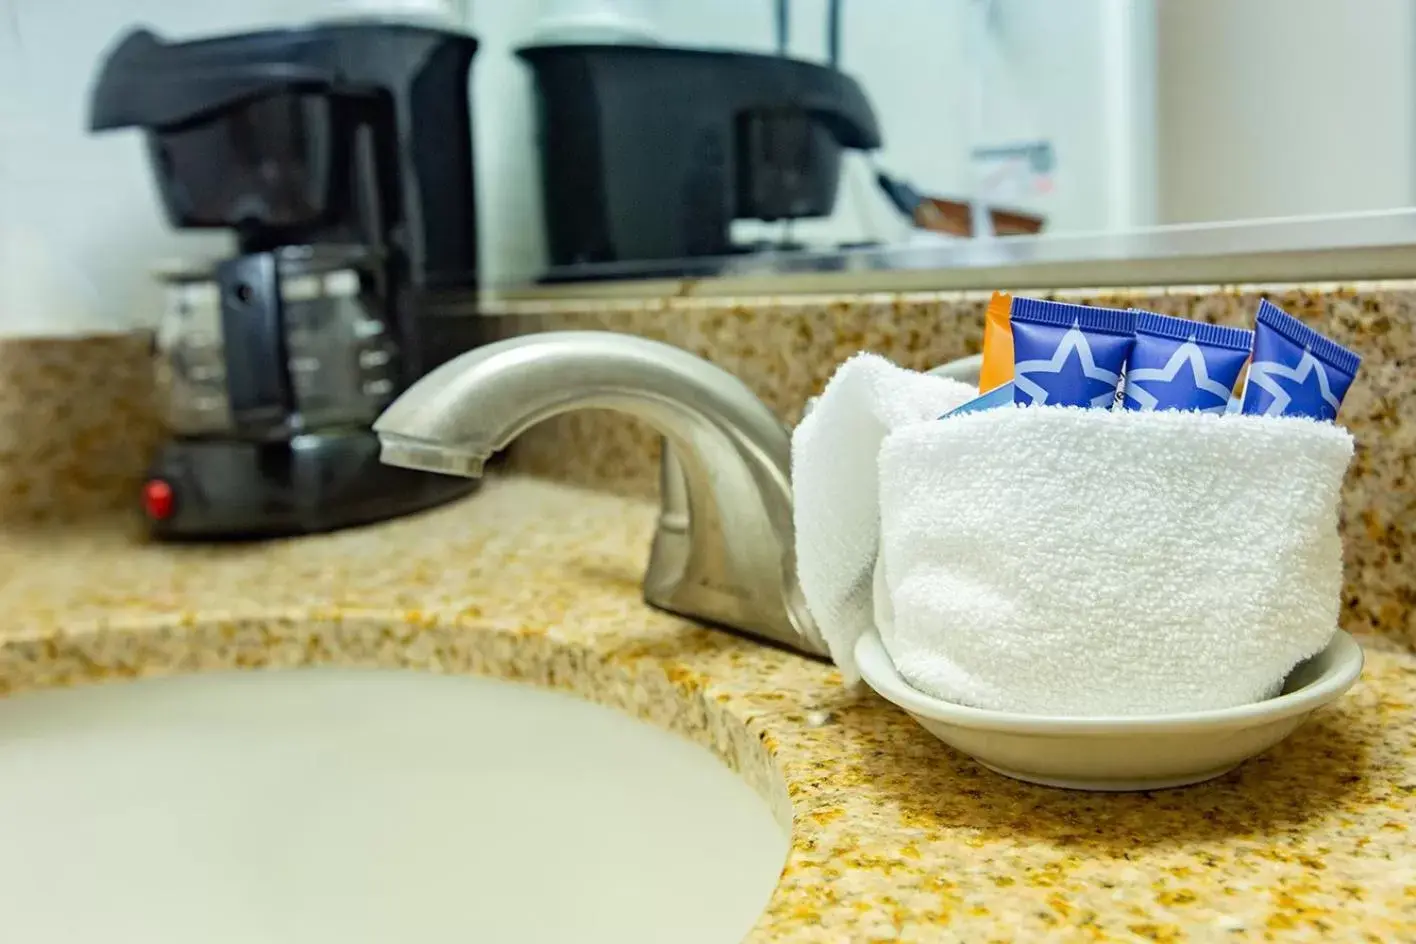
<point>352,806</point>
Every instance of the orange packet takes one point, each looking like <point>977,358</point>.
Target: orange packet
<point>997,343</point>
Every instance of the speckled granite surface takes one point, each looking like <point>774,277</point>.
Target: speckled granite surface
<point>77,424</point>
<point>893,836</point>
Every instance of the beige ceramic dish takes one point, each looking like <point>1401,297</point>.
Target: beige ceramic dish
<point>1122,753</point>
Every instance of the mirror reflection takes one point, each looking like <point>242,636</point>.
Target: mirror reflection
<point>826,126</point>
<point>633,139</point>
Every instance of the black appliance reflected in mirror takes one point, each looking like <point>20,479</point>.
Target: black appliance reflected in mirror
<point>649,153</point>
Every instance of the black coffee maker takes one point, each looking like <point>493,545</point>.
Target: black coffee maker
<point>648,153</point>
<point>340,155</point>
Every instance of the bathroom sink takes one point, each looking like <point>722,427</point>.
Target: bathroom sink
<point>357,806</point>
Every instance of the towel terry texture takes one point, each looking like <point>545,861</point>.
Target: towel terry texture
<point>1061,561</point>
<point>835,451</point>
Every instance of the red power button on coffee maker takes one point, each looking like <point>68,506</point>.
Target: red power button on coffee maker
<point>157,499</point>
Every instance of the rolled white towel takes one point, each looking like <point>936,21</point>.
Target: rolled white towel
<point>835,487</point>
<point>1062,561</point>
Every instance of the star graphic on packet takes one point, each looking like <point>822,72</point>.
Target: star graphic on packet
<point>1099,383</point>
<point>1308,381</point>
<point>1160,388</point>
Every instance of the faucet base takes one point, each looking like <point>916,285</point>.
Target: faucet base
<point>693,574</point>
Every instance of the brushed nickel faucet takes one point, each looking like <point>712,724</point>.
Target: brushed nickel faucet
<point>723,551</point>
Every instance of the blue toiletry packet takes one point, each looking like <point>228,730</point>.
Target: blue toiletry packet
<point>1069,355</point>
<point>1295,370</point>
<point>1178,364</point>
<point>1001,395</point>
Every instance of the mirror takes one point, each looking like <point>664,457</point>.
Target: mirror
<point>1118,130</point>
<point>1008,118</point>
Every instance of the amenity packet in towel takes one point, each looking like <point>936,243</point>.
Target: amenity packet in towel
<point>992,400</point>
<point>997,367</point>
<point>1296,371</point>
<point>1069,355</point>
<point>1179,364</point>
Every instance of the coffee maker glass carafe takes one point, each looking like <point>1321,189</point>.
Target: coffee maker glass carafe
<point>337,350</point>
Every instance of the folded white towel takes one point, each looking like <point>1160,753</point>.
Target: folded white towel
<point>834,485</point>
<point>1080,562</point>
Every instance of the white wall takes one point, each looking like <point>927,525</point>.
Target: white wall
<point>1077,74</point>
<point>79,220</point>
<point>1285,107</point>
<point>80,227</point>
<point>508,195</point>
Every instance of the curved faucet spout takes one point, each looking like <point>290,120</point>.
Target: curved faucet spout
<point>723,550</point>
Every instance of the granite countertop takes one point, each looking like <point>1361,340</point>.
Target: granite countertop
<point>893,835</point>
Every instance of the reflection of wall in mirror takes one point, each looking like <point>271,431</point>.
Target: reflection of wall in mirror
<point>80,225</point>
<point>1285,107</point>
